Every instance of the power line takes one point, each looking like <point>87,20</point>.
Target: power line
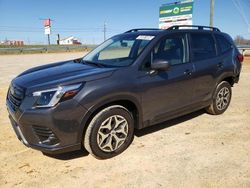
<point>58,29</point>
<point>238,6</point>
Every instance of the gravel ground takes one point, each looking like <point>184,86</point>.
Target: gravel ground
<point>196,150</point>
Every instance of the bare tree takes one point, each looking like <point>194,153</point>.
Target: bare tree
<point>240,40</point>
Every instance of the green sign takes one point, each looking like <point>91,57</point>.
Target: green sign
<point>176,9</point>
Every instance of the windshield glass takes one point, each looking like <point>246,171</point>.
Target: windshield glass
<point>118,51</point>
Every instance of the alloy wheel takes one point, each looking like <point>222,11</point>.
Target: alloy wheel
<point>112,133</point>
<point>222,99</point>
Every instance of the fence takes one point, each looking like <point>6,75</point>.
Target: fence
<point>244,49</point>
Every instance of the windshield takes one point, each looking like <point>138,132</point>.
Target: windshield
<point>118,51</point>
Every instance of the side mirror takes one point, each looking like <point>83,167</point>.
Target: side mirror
<point>160,64</point>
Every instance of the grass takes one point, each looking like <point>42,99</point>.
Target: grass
<point>31,49</point>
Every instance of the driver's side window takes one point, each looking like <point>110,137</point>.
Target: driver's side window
<point>171,49</point>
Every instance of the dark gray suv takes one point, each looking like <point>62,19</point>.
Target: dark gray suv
<point>133,80</point>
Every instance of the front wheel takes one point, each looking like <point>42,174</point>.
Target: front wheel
<point>110,132</point>
<point>221,99</point>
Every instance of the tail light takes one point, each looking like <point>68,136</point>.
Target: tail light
<point>240,58</point>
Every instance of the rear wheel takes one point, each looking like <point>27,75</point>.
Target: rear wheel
<point>110,132</point>
<point>221,99</point>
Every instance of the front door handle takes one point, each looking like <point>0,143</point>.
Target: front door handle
<point>220,65</point>
<point>188,72</point>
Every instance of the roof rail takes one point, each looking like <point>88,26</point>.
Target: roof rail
<point>141,29</point>
<point>199,27</point>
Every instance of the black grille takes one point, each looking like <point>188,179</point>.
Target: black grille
<point>45,135</point>
<point>15,96</point>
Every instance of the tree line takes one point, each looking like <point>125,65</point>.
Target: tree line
<point>239,40</point>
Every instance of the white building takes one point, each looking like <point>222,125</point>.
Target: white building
<point>69,40</point>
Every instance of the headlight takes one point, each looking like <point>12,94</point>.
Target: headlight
<point>50,97</point>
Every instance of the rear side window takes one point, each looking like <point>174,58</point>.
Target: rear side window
<point>223,44</point>
<point>203,46</point>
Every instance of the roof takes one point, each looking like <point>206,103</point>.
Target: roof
<point>68,38</point>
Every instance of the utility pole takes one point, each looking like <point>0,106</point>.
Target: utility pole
<point>211,13</point>
<point>58,39</point>
<point>104,30</point>
<point>48,39</point>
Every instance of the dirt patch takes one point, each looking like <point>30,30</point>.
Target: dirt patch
<point>197,150</point>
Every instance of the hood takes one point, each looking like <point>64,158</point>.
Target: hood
<point>67,72</point>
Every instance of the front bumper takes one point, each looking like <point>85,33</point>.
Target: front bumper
<point>50,130</point>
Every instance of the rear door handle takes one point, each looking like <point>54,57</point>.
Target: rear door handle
<point>188,72</point>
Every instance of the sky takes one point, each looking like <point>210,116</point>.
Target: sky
<point>84,19</point>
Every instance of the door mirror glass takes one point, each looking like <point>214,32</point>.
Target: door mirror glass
<point>160,64</point>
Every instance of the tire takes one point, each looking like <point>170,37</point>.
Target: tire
<point>110,132</point>
<point>221,99</point>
